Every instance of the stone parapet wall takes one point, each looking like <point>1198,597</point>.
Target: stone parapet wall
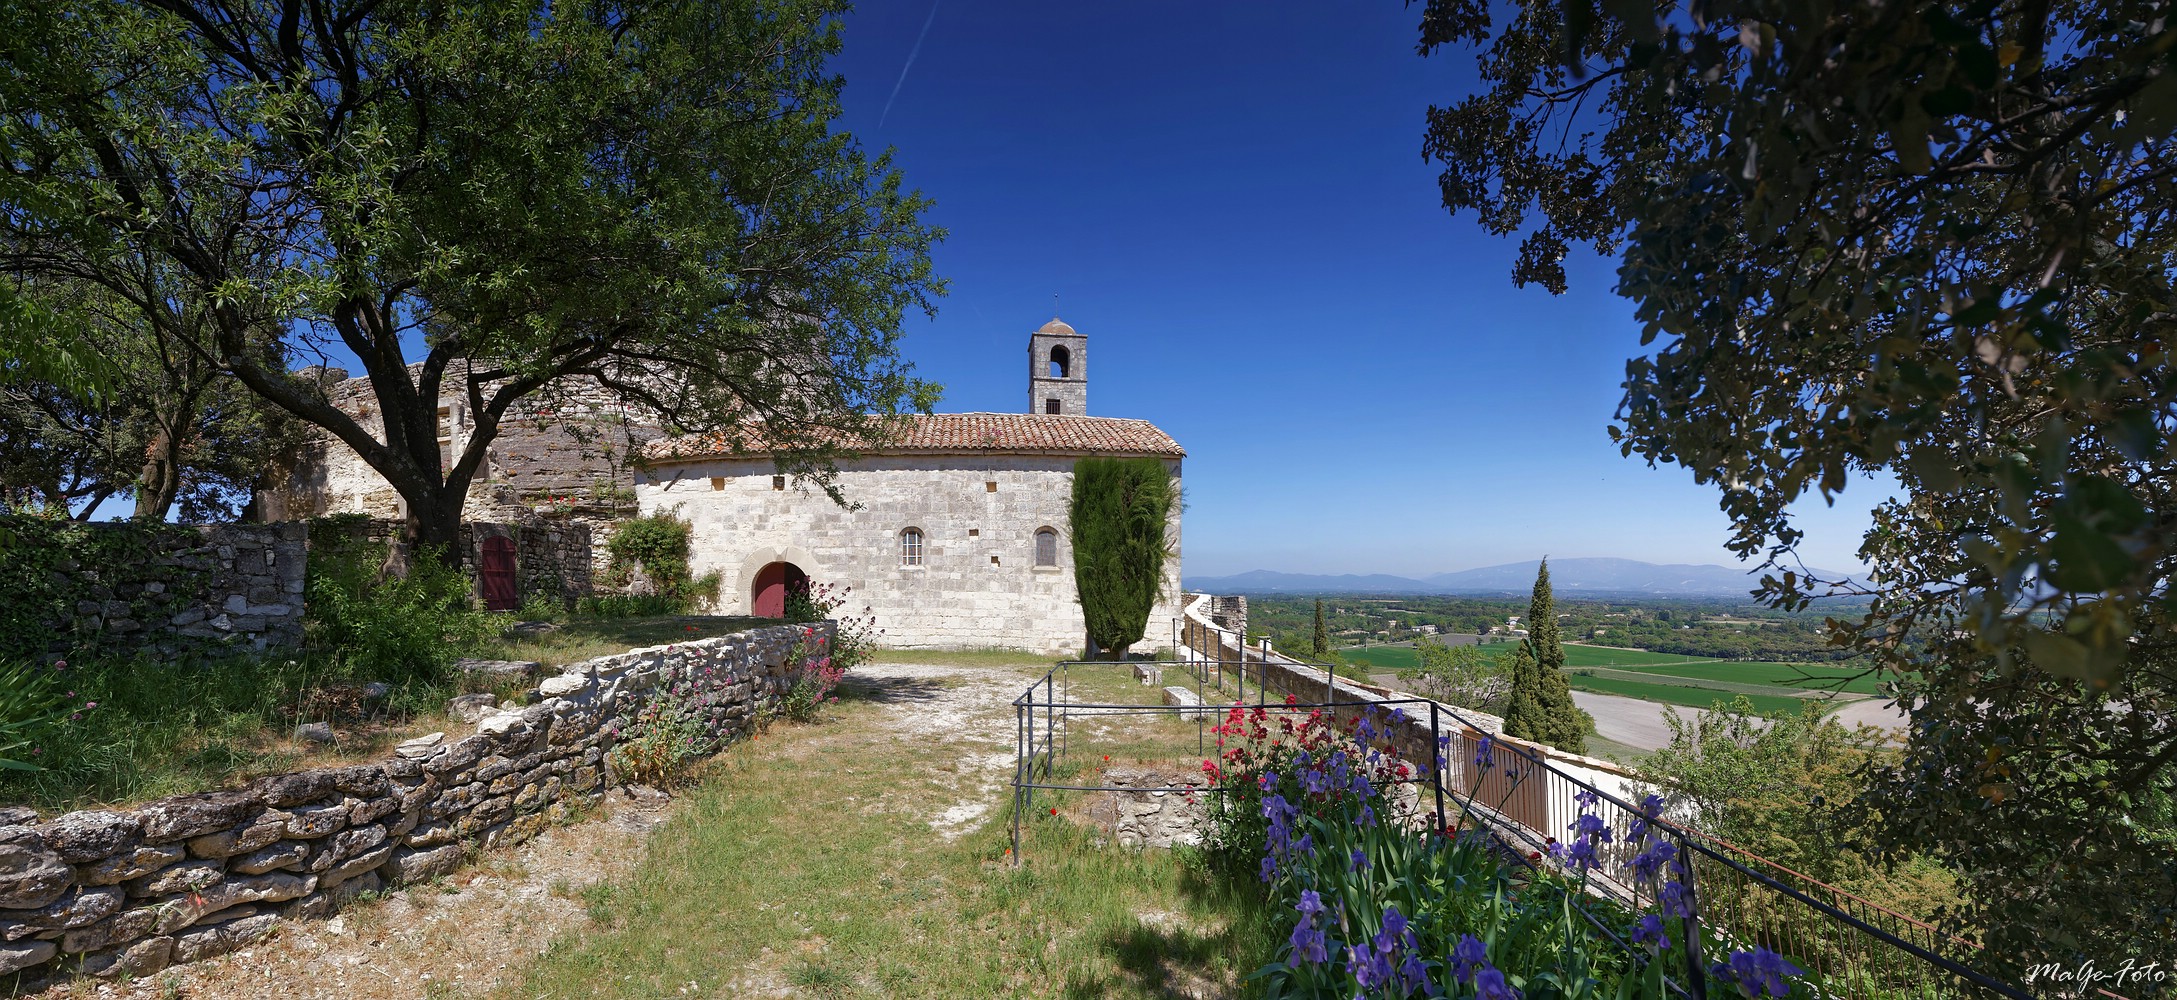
<point>160,587</point>
<point>129,892</point>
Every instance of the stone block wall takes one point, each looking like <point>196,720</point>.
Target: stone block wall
<point>129,892</point>
<point>162,587</point>
<point>976,584</point>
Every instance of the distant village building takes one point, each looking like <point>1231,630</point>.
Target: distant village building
<point>960,536</point>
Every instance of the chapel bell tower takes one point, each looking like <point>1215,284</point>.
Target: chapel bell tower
<point>1057,370</point>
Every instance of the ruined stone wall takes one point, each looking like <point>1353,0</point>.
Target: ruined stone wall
<point>551,557</point>
<point>122,586</point>
<point>571,441</point>
<point>129,892</point>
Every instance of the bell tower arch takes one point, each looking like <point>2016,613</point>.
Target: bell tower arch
<point>1057,370</point>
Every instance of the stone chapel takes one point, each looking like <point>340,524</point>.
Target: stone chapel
<point>959,534</point>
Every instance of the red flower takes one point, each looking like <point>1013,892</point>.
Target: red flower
<point>1054,810</point>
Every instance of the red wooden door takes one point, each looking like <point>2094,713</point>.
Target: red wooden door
<point>768,597</point>
<point>501,593</point>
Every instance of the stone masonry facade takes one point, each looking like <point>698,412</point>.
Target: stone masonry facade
<point>977,584</point>
<point>114,893</point>
<point>551,557</point>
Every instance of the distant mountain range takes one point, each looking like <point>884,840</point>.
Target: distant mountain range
<point>1567,576</point>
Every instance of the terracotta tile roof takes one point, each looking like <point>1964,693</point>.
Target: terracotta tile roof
<point>961,434</point>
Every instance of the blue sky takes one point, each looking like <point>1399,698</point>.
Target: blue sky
<point>1228,199</point>
<point>1230,203</point>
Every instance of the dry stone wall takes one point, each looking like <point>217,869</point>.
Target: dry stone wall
<point>160,587</point>
<point>129,892</point>
<point>551,557</point>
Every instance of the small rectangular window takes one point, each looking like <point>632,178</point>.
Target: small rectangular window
<point>990,487</point>
<point>975,532</point>
<point>993,560</point>
<point>778,482</point>
<point>1050,406</point>
<point>718,482</point>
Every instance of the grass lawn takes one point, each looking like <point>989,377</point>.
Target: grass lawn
<point>1671,694</point>
<point>1798,676</point>
<point>807,862</point>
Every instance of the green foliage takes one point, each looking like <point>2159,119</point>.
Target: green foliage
<point>1460,675</point>
<point>55,563</point>
<point>1319,637</point>
<point>1121,511</point>
<point>659,743</point>
<point>436,166</point>
<point>660,544</point>
<point>816,675</point>
<point>1541,707</point>
<point>390,628</point>
<point>1782,786</point>
<point>31,701</point>
<point>1947,260</point>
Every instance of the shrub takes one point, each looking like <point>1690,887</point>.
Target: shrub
<point>816,676</point>
<point>392,628</point>
<point>660,544</point>
<point>855,639</point>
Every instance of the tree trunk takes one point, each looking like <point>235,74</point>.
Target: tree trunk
<point>159,485</point>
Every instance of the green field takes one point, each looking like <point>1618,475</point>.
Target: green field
<point>1405,657</point>
<point>1799,676</point>
<point>1689,697</point>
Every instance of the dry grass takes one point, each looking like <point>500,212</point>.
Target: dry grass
<point>820,865</point>
<point>579,639</point>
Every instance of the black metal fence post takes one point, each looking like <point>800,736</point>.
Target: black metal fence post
<point>1436,773</point>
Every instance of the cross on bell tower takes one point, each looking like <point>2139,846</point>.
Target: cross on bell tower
<point>1057,370</point>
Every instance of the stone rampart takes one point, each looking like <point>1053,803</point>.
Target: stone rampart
<point>129,892</point>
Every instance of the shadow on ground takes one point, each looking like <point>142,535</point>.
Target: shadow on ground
<point>890,690</point>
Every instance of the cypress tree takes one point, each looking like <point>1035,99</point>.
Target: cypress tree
<point>1525,718</point>
<point>1561,723</point>
<point>1322,633</point>
<point>1122,509</point>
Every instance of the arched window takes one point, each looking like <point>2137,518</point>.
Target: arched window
<point>1046,547</point>
<point>911,547</point>
<point>1061,361</point>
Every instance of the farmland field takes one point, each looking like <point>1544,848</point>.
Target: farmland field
<point>1798,676</point>
<point>1668,694</point>
<point>1405,657</point>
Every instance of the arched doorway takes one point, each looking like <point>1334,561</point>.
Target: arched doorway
<point>768,597</point>
<point>497,575</point>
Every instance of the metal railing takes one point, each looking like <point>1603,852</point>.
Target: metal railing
<point>1854,948</point>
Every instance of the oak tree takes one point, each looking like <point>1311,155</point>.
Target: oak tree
<point>1932,240</point>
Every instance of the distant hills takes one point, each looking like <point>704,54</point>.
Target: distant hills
<point>1567,577</point>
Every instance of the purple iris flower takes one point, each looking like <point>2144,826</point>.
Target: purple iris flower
<point>1648,933</point>
<point>1647,866</point>
<point>1485,753</point>
<point>1359,861</point>
<point>1758,972</point>
<point>1307,940</point>
<point>1675,899</point>
<point>1489,984</point>
<point>1468,955</point>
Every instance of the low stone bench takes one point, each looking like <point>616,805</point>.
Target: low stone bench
<point>1148,673</point>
